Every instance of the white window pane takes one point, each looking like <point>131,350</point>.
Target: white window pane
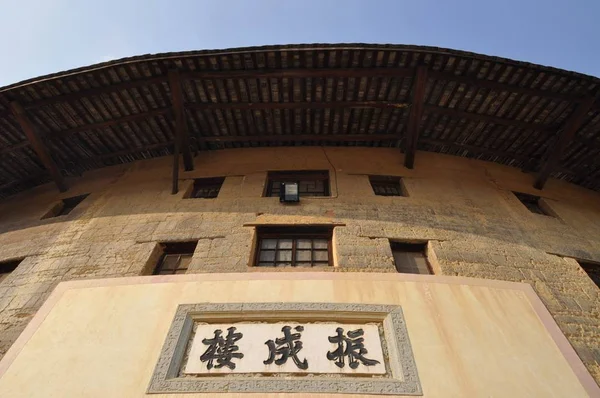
<point>320,243</point>
<point>285,243</point>
<point>284,255</point>
<point>303,244</point>
<point>320,256</point>
<point>303,255</point>
<point>269,243</point>
<point>267,256</point>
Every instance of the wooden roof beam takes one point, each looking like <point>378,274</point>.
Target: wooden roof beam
<point>94,92</point>
<point>14,147</point>
<point>498,86</point>
<point>299,73</point>
<point>476,149</point>
<point>565,136</point>
<point>296,105</point>
<point>38,145</point>
<point>302,137</point>
<point>182,137</point>
<point>455,113</point>
<point>415,116</point>
<point>108,123</point>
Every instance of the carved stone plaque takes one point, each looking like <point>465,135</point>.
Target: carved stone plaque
<point>318,347</point>
<point>304,352</point>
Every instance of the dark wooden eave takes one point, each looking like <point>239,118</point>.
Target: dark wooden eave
<point>416,114</point>
<point>38,145</point>
<point>537,118</point>
<point>565,136</point>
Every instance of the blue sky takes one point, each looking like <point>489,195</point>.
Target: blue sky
<point>47,36</point>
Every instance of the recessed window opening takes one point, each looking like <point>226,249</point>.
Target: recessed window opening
<point>410,258</point>
<point>293,246</point>
<point>206,188</point>
<point>65,206</point>
<point>387,186</point>
<point>176,258</point>
<point>310,183</point>
<point>592,269</point>
<point>532,203</point>
<point>6,267</point>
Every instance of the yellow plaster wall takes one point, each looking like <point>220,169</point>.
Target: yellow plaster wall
<point>468,339</point>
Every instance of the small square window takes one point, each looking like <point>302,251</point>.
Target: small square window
<point>207,188</point>
<point>410,258</point>
<point>293,246</point>
<point>310,183</point>
<point>65,206</point>
<point>387,186</point>
<point>176,258</point>
<point>7,267</point>
<point>592,269</point>
<point>532,202</point>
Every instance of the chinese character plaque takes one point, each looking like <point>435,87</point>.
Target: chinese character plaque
<point>344,348</point>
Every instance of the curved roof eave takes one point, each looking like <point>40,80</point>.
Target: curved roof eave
<point>541,119</point>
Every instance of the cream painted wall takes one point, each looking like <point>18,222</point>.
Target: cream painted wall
<point>470,338</point>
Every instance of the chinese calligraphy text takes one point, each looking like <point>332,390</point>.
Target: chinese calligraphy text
<point>286,347</point>
<point>223,350</point>
<point>352,346</point>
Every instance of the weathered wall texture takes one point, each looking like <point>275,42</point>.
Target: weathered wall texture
<point>465,208</point>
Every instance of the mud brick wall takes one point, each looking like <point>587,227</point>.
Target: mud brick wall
<point>464,208</point>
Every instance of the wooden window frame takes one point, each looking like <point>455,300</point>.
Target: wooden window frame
<point>199,184</point>
<point>174,249</point>
<point>389,181</point>
<point>298,176</point>
<point>294,233</point>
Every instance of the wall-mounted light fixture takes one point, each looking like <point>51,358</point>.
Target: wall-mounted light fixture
<point>289,192</point>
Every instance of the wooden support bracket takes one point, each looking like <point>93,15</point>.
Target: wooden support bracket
<point>567,134</point>
<point>181,127</point>
<point>416,113</point>
<point>38,145</point>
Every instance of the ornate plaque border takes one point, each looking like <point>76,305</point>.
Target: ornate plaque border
<point>404,378</point>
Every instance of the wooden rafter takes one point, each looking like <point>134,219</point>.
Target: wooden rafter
<point>14,147</point>
<point>476,149</point>
<point>565,136</point>
<point>181,128</point>
<point>455,113</point>
<point>93,92</point>
<point>303,137</point>
<point>510,88</point>
<point>302,73</point>
<point>430,109</point>
<point>297,105</point>
<point>416,113</point>
<point>263,138</point>
<point>108,123</point>
<point>38,145</point>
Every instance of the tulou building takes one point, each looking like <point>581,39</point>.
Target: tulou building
<point>305,220</point>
